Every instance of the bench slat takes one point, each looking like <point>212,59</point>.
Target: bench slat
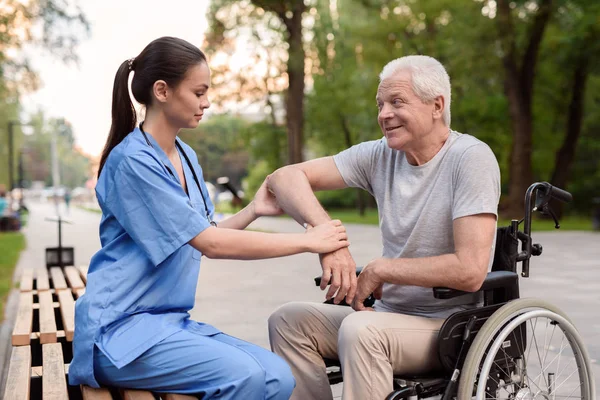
<point>89,393</point>
<point>36,306</point>
<point>67,310</point>
<point>131,394</point>
<point>54,382</point>
<point>79,292</point>
<point>73,277</point>
<point>47,321</point>
<point>42,281</point>
<point>58,279</point>
<point>18,378</point>
<point>27,280</point>
<point>83,270</point>
<point>39,371</point>
<point>36,292</point>
<point>36,335</point>
<point>24,320</point>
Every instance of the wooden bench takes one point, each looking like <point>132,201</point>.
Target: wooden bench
<point>42,341</point>
<point>46,310</point>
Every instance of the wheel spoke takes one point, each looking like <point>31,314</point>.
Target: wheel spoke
<point>537,350</point>
<point>543,370</point>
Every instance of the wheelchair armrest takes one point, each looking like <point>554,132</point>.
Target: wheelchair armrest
<point>318,278</point>
<point>494,280</point>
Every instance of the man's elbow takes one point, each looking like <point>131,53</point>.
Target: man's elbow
<point>282,175</point>
<point>475,278</point>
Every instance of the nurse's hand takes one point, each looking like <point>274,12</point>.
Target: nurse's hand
<point>265,203</point>
<point>327,237</point>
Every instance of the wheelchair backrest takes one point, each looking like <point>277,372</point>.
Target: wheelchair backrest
<point>506,251</point>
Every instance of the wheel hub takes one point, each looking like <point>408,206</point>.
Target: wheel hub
<point>527,394</point>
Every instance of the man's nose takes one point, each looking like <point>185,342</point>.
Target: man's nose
<point>385,113</point>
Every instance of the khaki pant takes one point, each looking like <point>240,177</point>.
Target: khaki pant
<point>371,346</point>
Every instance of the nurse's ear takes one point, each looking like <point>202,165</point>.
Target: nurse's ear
<point>160,89</point>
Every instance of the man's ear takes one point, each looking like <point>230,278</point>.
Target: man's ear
<point>438,107</point>
<point>160,89</point>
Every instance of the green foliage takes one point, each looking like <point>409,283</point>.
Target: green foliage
<point>343,198</point>
<point>266,142</point>
<point>11,245</point>
<point>220,147</point>
<point>74,167</point>
<point>257,174</point>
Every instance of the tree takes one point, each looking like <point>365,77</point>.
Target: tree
<point>74,167</point>
<point>581,57</point>
<point>285,18</point>
<point>519,68</point>
<point>220,147</point>
<point>55,26</point>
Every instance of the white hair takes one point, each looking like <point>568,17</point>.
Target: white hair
<point>429,79</point>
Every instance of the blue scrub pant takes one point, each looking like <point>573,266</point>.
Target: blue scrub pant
<point>211,367</point>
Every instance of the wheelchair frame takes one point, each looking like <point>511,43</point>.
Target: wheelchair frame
<point>471,339</point>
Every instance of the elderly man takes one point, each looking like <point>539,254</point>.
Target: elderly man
<point>437,192</point>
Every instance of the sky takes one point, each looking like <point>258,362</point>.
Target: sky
<point>119,31</point>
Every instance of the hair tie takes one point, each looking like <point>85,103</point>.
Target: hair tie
<point>130,63</point>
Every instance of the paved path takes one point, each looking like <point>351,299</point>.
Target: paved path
<point>239,296</point>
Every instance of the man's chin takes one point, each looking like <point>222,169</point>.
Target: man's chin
<point>395,143</point>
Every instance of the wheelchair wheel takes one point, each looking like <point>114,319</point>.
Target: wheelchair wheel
<point>527,350</point>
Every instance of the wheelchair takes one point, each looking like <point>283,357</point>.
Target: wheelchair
<point>509,348</point>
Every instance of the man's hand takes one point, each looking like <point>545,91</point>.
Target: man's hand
<point>339,268</point>
<point>369,281</point>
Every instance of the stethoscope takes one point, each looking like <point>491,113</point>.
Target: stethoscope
<point>187,160</point>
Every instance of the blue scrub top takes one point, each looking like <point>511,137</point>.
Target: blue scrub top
<point>142,283</point>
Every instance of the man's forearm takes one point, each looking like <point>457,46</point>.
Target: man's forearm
<point>295,196</point>
<point>446,270</point>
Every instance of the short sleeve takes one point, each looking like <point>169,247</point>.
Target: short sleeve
<point>476,183</point>
<point>357,163</point>
<point>152,208</point>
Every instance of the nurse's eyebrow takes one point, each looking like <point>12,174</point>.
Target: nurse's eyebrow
<point>203,86</point>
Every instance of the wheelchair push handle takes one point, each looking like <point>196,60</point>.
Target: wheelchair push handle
<point>560,195</point>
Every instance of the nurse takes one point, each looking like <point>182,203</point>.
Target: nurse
<point>132,325</point>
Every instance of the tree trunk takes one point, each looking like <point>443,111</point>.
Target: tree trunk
<point>518,86</point>
<point>295,94</point>
<point>566,153</point>
<point>520,171</point>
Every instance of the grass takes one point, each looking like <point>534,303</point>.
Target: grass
<point>94,210</point>
<point>11,244</point>
<point>350,216</point>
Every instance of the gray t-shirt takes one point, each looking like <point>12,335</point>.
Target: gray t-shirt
<point>417,205</point>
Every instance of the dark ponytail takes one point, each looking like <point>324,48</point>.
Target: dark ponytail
<point>123,112</point>
<point>167,59</point>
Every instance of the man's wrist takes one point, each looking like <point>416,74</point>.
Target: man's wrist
<point>382,268</point>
